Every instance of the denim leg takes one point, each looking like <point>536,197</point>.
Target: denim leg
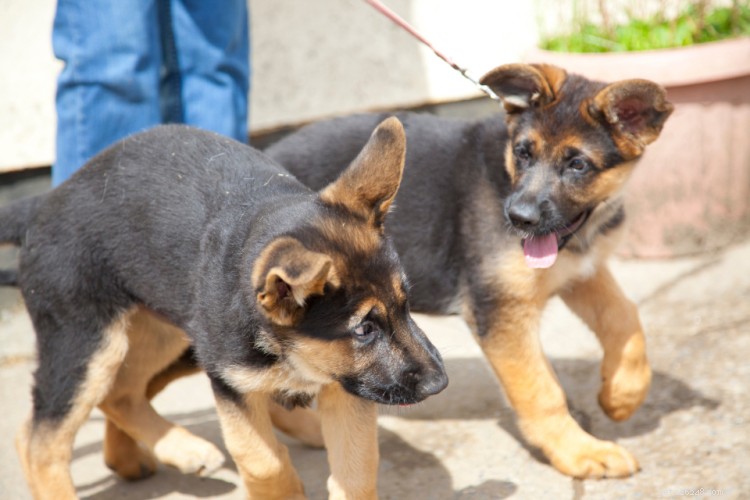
<point>109,85</point>
<point>212,42</point>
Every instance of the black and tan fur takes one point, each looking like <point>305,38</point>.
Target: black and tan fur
<point>178,239</point>
<point>475,193</point>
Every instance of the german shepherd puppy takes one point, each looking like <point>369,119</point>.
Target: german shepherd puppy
<point>177,236</point>
<point>496,216</point>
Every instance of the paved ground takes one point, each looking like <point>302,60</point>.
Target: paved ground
<point>691,436</point>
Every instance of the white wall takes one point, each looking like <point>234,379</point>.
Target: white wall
<point>311,59</point>
<point>27,84</point>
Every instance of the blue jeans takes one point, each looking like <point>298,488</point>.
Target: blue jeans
<point>133,64</point>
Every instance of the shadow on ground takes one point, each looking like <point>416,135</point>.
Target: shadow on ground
<point>408,472</point>
<point>472,394</point>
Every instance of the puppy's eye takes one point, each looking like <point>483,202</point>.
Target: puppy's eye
<point>578,164</point>
<point>522,151</point>
<point>365,331</point>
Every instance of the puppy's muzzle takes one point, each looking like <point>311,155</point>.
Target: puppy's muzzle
<point>427,382</point>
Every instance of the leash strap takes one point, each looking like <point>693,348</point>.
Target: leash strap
<point>399,21</point>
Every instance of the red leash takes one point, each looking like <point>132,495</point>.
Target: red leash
<point>398,20</point>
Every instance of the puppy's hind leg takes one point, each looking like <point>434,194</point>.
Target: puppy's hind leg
<point>122,453</point>
<point>76,368</point>
<point>132,421</point>
<point>302,424</point>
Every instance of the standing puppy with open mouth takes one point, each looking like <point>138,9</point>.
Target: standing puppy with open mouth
<point>495,216</point>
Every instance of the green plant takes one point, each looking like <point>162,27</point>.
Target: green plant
<point>695,23</point>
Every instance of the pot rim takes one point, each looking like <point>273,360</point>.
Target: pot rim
<point>700,63</point>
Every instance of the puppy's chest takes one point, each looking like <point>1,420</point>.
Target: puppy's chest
<point>569,267</point>
<point>285,380</point>
<point>516,279</point>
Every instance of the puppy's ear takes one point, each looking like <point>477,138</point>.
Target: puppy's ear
<point>369,185</point>
<point>523,86</point>
<point>285,275</point>
<point>635,111</point>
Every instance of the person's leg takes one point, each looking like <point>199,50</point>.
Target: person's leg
<point>109,86</point>
<point>212,45</point>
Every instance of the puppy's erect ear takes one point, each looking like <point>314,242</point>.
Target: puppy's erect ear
<point>369,185</point>
<point>285,275</point>
<point>635,110</point>
<point>522,86</point>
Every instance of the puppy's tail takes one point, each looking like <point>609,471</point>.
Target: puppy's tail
<point>15,219</point>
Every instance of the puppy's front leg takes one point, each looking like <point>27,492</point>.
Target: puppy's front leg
<point>626,375</point>
<point>350,431</point>
<point>510,339</point>
<point>262,461</point>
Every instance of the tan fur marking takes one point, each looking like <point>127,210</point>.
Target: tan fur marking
<point>323,359</point>
<point>263,462</point>
<point>307,363</point>
<point>369,185</point>
<point>351,436</point>
<point>537,139</point>
<point>510,164</point>
<point>303,272</point>
<point>522,85</point>
<point>398,290</point>
<point>364,307</point>
<point>154,344</point>
<point>281,376</point>
<point>585,109</point>
<point>609,182</point>
<point>48,448</point>
<point>553,76</point>
<point>302,424</point>
<point>166,377</point>
<point>358,237</point>
<point>513,349</point>
<point>562,144</point>
<point>23,437</point>
<point>532,388</point>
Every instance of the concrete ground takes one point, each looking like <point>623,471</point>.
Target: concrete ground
<point>692,435</point>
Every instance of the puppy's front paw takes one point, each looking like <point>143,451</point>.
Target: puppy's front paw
<point>576,453</point>
<point>188,453</point>
<point>625,389</point>
<point>592,458</point>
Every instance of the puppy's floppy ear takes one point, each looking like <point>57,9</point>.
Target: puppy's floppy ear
<point>369,185</point>
<point>522,86</point>
<point>285,275</point>
<point>635,110</point>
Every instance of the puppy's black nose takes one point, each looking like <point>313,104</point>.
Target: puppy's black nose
<point>524,215</point>
<point>432,383</point>
<point>427,381</point>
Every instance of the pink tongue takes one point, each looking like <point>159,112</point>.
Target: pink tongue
<point>540,251</point>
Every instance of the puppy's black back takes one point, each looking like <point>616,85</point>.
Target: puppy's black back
<point>443,168</point>
<point>156,194</point>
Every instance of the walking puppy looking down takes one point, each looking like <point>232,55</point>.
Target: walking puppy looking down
<point>496,216</point>
<point>178,237</point>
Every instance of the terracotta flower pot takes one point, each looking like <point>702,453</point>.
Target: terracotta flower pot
<point>691,191</point>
